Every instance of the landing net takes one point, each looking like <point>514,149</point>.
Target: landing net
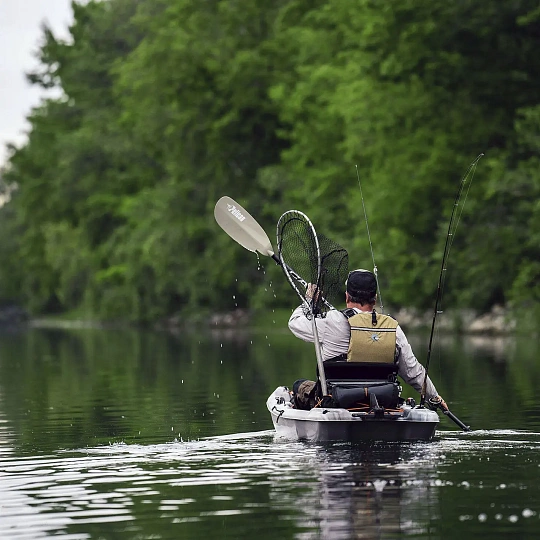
<point>308,258</point>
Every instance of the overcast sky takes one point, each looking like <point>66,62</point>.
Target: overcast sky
<point>20,35</point>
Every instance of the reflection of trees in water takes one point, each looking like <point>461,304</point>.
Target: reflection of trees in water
<point>494,347</point>
<point>367,491</point>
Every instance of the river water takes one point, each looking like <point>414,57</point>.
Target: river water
<point>122,434</point>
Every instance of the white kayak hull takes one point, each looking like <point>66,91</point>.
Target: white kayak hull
<point>334,424</point>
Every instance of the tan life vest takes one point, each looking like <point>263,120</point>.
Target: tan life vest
<point>372,343</point>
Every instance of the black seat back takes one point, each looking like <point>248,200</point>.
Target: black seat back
<point>338,370</point>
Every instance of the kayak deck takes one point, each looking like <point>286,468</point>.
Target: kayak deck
<point>335,424</point>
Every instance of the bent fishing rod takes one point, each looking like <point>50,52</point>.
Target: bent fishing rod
<point>452,226</point>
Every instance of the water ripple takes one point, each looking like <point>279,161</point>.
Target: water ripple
<point>313,486</point>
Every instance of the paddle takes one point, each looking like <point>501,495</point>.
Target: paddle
<point>238,223</point>
<point>242,227</point>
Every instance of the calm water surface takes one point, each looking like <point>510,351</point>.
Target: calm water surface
<point>138,435</point>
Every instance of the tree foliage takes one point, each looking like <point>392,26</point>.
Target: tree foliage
<point>167,105</point>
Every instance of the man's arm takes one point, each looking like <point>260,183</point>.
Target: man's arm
<point>409,369</point>
<point>300,325</point>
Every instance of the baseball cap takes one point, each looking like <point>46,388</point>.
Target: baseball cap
<point>361,280</point>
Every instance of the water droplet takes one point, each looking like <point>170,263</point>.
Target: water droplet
<point>482,517</point>
<point>379,485</point>
<point>527,513</point>
<point>513,518</point>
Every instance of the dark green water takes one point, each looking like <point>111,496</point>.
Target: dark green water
<point>108,434</point>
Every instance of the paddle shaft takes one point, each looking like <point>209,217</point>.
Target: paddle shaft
<point>303,282</point>
<point>291,271</point>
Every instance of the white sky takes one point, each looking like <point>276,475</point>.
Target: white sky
<point>20,36</point>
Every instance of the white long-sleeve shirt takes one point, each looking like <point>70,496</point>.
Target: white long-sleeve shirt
<point>335,333</point>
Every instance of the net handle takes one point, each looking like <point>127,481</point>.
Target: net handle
<point>292,276</point>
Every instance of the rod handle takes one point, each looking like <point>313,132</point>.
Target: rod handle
<point>455,419</point>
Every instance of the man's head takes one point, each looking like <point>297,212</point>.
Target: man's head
<point>361,287</point>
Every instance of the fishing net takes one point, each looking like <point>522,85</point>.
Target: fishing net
<point>311,259</point>
<point>334,270</point>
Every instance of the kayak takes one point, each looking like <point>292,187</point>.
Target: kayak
<point>364,395</point>
<point>321,424</point>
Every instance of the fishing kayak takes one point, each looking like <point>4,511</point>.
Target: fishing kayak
<point>320,424</point>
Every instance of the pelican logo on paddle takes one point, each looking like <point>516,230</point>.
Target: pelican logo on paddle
<point>235,212</point>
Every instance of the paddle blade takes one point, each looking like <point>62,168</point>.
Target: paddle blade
<point>242,227</point>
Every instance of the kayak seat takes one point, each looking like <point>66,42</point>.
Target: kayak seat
<point>352,383</point>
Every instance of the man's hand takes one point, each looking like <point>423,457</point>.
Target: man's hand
<point>437,402</point>
<point>311,290</point>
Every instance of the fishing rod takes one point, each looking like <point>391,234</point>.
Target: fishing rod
<point>370,244</point>
<point>448,244</point>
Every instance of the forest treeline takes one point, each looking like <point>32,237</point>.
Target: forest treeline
<point>166,105</point>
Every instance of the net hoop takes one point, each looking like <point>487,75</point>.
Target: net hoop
<point>297,282</point>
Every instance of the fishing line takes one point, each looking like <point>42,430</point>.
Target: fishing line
<point>370,244</point>
<point>470,171</point>
<point>448,243</point>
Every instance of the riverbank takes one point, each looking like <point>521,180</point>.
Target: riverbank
<point>499,321</point>
<point>496,322</point>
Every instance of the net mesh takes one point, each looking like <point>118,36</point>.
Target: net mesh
<point>303,253</point>
<point>334,271</point>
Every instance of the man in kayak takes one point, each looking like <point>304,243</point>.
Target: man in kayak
<point>359,334</point>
